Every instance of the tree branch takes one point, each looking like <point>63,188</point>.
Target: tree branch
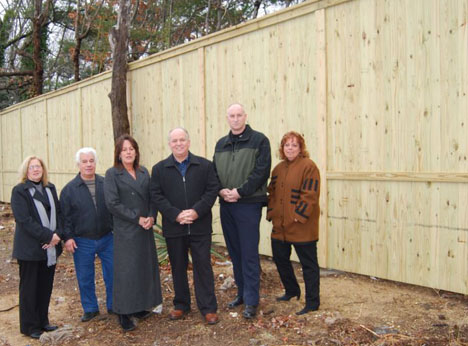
<point>257,5</point>
<point>16,73</point>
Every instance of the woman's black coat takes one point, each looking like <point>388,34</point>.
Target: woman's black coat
<point>30,235</point>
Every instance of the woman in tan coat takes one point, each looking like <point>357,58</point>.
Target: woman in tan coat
<point>293,207</point>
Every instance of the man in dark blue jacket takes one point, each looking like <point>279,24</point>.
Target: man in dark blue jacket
<point>88,231</point>
<point>184,188</point>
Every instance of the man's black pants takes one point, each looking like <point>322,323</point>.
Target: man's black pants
<point>199,246</point>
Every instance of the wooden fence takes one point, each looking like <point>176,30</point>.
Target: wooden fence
<point>378,88</point>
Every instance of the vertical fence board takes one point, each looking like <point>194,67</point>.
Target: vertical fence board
<point>12,152</point>
<point>97,122</point>
<point>64,129</point>
<point>34,131</point>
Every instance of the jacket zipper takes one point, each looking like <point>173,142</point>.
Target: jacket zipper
<point>233,151</point>
<point>186,201</point>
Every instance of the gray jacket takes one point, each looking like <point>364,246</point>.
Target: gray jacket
<point>136,271</point>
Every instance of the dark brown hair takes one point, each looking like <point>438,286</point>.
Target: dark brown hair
<point>300,141</point>
<point>118,149</point>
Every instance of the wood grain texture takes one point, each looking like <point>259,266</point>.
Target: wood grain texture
<point>378,88</point>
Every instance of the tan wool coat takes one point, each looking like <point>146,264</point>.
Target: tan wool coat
<point>293,201</point>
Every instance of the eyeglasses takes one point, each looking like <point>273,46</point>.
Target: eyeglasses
<point>34,167</point>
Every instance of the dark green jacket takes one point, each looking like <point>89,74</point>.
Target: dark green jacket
<point>244,164</point>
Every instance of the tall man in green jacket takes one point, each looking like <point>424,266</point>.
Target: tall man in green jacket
<point>243,160</point>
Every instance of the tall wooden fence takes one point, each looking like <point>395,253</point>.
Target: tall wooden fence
<point>378,88</point>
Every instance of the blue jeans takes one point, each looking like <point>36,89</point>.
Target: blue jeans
<point>241,223</point>
<point>84,257</point>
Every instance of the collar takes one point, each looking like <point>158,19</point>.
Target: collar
<point>28,184</point>
<point>170,161</point>
<point>245,136</point>
<point>297,159</point>
<point>79,181</point>
<point>120,170</point>
<point>185,162</point>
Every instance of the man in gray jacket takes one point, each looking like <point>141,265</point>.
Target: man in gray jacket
<point>88,231</point>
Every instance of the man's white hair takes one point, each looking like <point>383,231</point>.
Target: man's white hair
<point>85,150</point>
<point>178,128</point>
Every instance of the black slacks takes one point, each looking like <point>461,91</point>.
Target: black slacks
<point>307,254</point>
<point>35,289</point>
<point>199,246</point>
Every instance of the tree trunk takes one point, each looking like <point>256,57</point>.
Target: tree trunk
<point>76,58</point>
<point>257,4</point>
<point>219,15</point>
<point>77,49</point>
<point>38,75</point>
<point>207,17</point>
<point>118,96</point>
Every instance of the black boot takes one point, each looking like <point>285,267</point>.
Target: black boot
<point>307,308</point>
<point>141,315</point>
<point>286,297</point>
<point>236,302</point>
<point>126,323</point>
<point>250,311</point>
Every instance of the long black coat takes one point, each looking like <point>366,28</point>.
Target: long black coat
<point>137,286</point>
<point>30,235</point>
<point>171,193</point>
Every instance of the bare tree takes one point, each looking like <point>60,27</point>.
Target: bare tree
<point>39,20</point>
<point>118,40</point>
<point>82,25</point>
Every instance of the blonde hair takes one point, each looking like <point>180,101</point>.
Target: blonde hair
<point>23,170</point>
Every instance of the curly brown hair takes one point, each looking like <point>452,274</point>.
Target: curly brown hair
<point>300,140</point>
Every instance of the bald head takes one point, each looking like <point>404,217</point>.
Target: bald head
<point>236,118</point>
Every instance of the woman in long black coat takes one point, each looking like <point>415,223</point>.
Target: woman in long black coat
<point>39,227</point>
<point>137,287</point>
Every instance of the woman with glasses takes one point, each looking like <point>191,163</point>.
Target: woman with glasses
<point>36,245</point>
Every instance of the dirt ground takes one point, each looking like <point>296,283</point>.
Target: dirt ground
<point>355,310</point>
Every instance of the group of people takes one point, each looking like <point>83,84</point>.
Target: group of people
<point>112,217</point>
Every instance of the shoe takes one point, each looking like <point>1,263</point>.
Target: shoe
<point>250,311</point>
<point>126,323</point>
<point>88,316</point>
<point>306,310</point>
<point>142,314</point>
<point>287,297</point>
<point>211,318</point>
<point>177,314</point>
<point>236,302</point>
<point>49,328</point>
<point>36,335</point>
